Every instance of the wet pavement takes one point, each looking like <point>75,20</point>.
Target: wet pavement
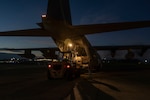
<point>29,82</point>
<point>115,85</point>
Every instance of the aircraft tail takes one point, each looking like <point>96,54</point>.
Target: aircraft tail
<point>59,10</point>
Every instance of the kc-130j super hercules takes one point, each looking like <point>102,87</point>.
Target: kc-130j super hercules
<point>57,24</point>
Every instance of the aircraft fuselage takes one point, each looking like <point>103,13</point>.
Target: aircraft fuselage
<point>64,34</point>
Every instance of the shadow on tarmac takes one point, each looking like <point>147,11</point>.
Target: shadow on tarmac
<point>89,92</point>
<point>109,86</point>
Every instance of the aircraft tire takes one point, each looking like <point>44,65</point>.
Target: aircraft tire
<point>68,75</point>
<point>49,75</point>
<point>78,73</point>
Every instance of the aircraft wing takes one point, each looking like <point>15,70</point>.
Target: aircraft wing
<point>35,49</point>
<point>29,32</point>
<point>99,28</point>
<point>122,47</point>
<point>47,52</point>
<point>113,49</point>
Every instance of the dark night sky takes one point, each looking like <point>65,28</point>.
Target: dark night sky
<point>24,14</point>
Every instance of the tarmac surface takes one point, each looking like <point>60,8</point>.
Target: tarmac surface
<point>29,82</point>
<point>134,85</point>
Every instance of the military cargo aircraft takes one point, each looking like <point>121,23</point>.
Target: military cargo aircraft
<point>57,24</point>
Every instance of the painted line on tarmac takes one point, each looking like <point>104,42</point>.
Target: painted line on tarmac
<point>68,97</point>
<point>77,93</point>
<point>74,95</point>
